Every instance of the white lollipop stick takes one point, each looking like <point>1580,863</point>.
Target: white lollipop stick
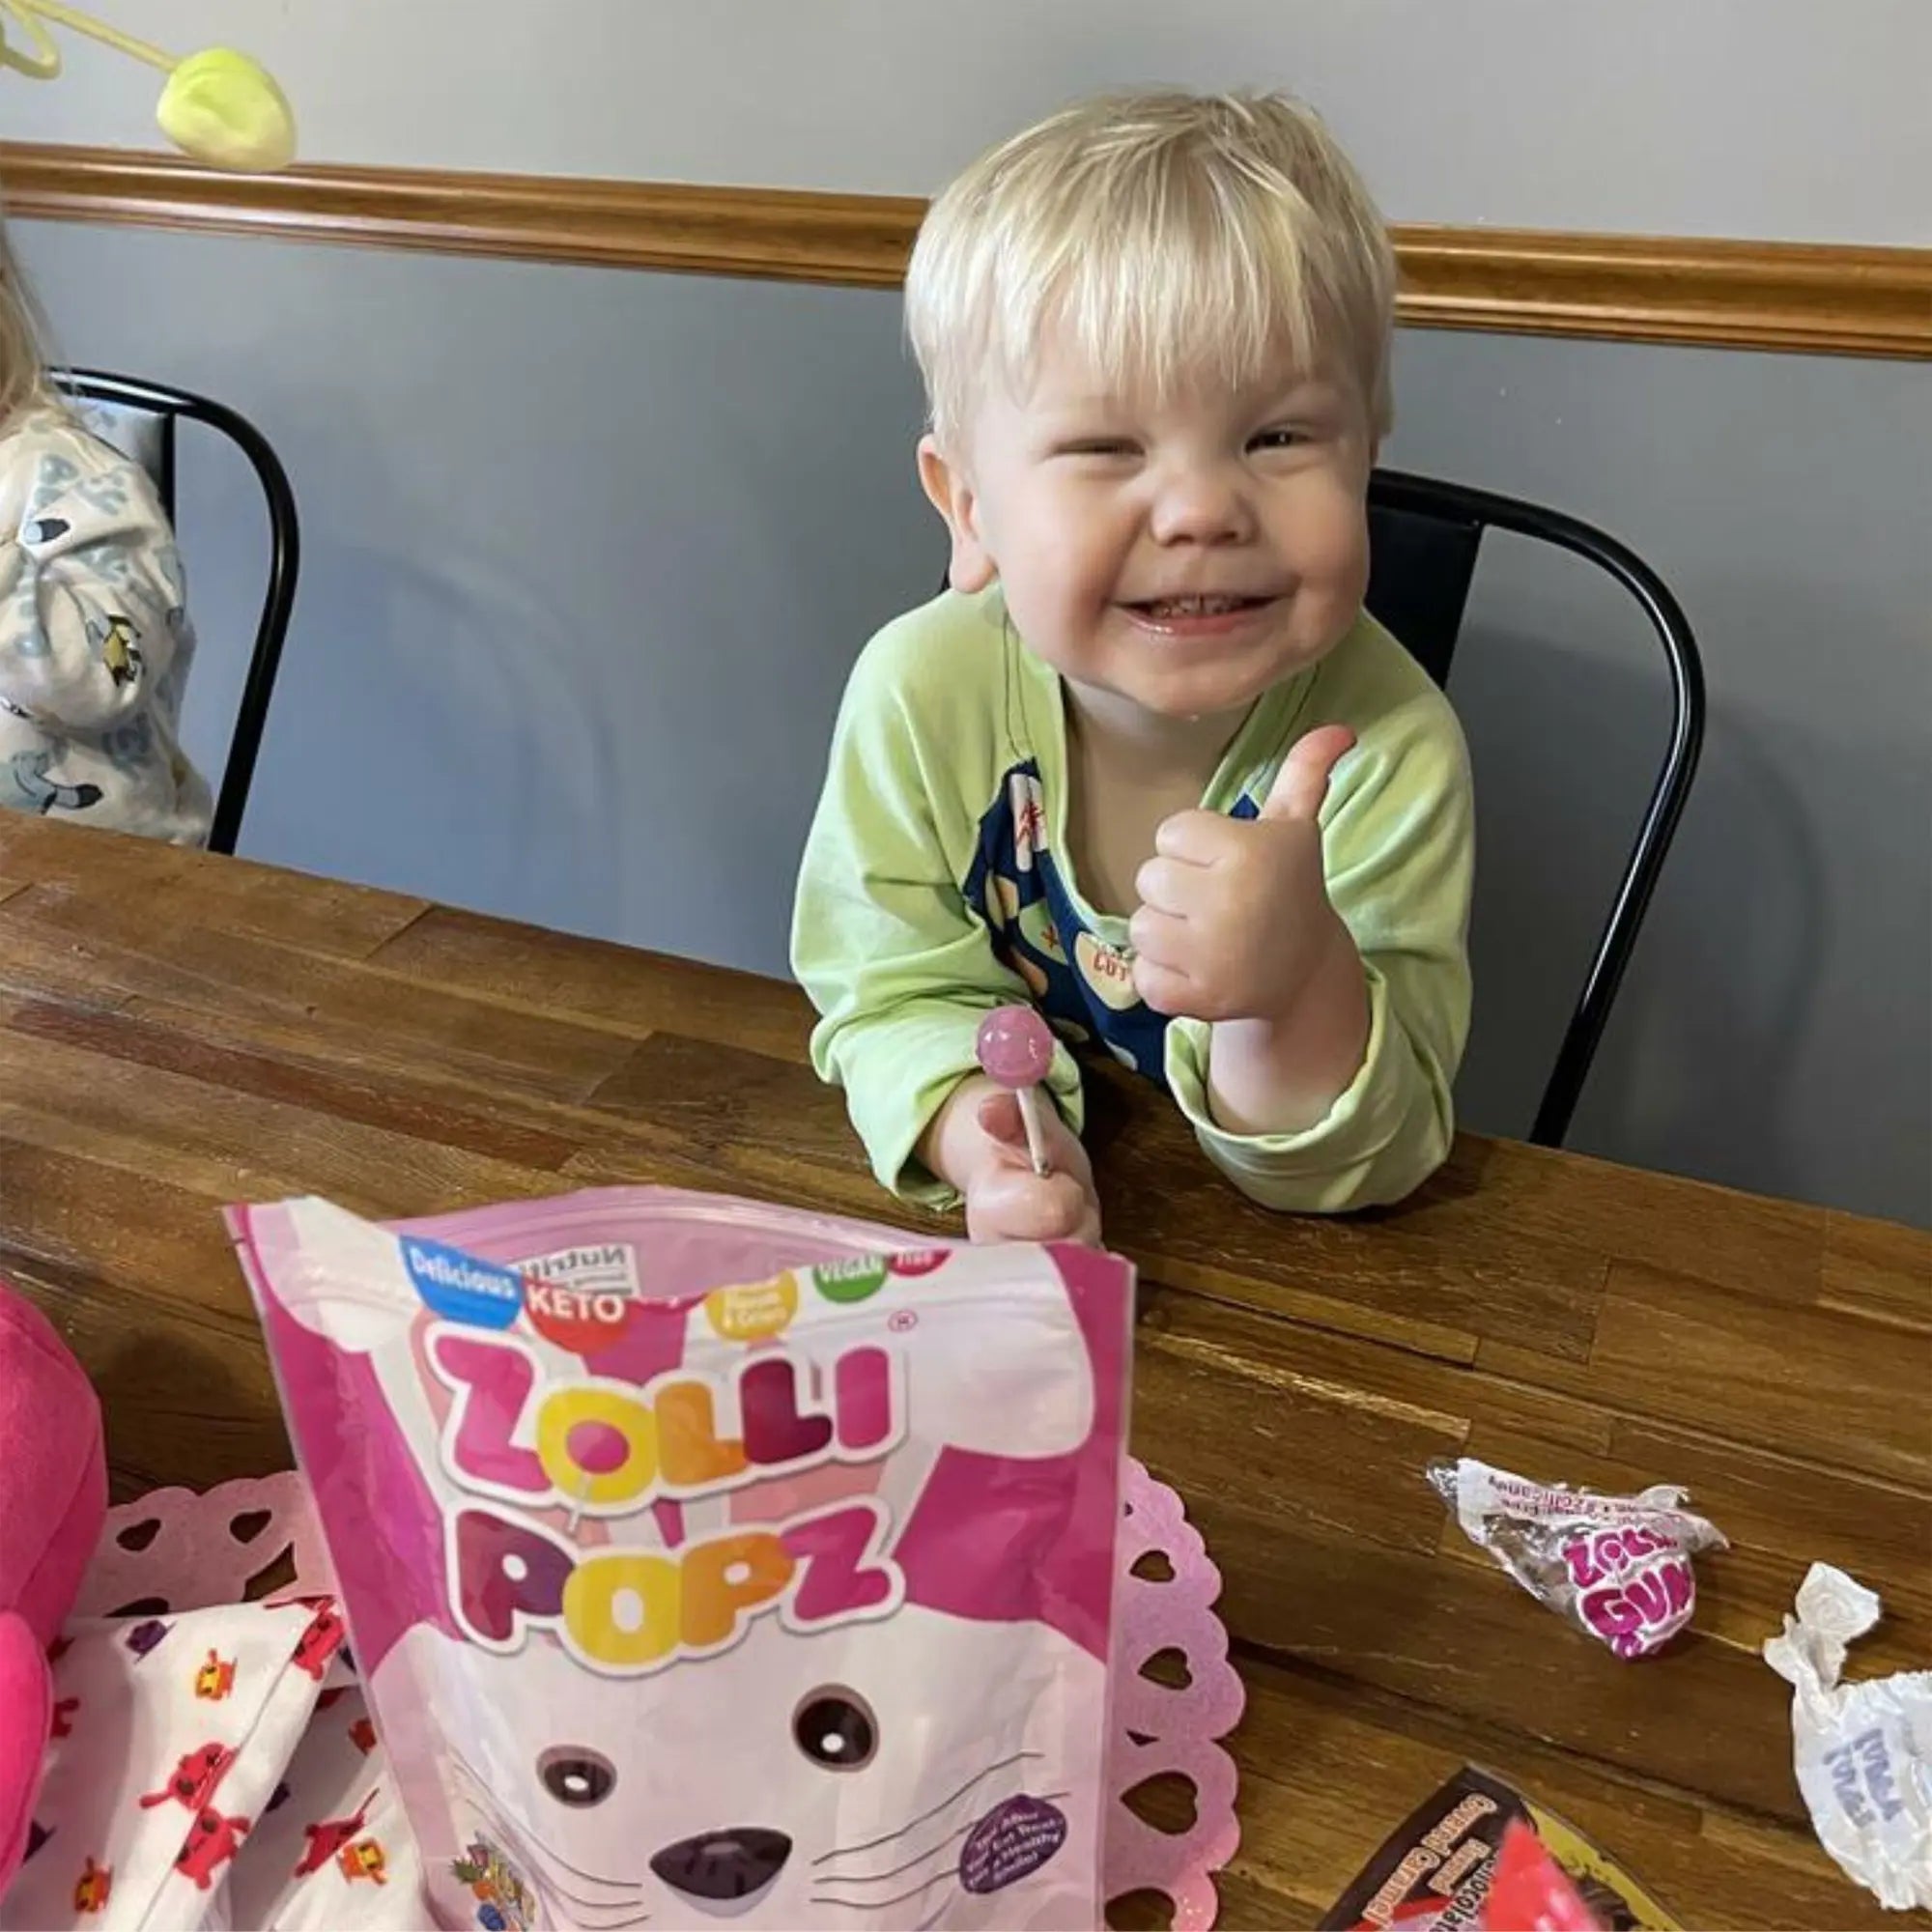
<point>1015,1049</point>
<point>1032,1120</point>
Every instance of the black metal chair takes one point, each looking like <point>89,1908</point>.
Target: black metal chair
<point>1423,536</point>
<point>140,418</point>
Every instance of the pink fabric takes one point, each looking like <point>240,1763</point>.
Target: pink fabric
<point>53,1498</point>
<point>53,1473</point>
<point>25,1709</point>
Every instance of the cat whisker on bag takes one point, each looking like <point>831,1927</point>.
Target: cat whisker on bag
<point>932,1851</point>
<point>884,1904</point>
<point>531,1852</point>
<point>925,1817</point>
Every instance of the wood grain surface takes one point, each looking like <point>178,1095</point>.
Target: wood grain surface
<point>178,1032</point>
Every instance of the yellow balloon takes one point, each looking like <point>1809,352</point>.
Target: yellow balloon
<point>225,109</point>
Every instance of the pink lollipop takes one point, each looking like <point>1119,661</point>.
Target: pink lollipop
<point>1015,1049</point>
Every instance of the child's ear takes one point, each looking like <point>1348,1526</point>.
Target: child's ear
<point>947,484</point>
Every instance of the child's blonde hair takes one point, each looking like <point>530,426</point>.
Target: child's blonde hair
<point>23,369</point>
<point>1171,233</point>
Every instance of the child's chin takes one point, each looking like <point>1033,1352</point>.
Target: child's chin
<point>1197,695</point>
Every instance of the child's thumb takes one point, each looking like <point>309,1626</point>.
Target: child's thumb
<point>1303,783</point>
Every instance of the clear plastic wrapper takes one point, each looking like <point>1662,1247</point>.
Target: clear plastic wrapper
<point>1863,1751</point>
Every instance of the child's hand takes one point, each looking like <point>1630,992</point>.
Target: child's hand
<point>978,1143</point>
<point>1234,918</point>
<point>1006,1201</point>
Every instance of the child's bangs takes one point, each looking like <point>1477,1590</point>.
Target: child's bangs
<point>1158,303</point>
<point>1163,240</point>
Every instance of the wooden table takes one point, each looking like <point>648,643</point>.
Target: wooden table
<point>178,1032</point>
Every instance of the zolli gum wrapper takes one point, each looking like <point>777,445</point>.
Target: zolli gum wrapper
<point>787,1603</point>
<point>1617,1567</point>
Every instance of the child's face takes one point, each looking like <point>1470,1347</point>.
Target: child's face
<point>1184,553</point>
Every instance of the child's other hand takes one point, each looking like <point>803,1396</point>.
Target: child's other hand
<point>978,1143</point>
<point>1234,918</point>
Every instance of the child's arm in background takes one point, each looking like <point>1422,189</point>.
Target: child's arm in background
<point>91,597</point>
<point>902,971</point>
<point>1397,846</point>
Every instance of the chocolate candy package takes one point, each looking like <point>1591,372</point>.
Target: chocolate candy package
<point>703,1563</point>
<point>1459,1863</point>
<point>1617,1567</point>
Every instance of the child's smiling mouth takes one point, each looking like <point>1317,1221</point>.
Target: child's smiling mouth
<point>1199,616</point>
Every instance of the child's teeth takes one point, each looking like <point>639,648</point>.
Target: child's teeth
<point>1195,607</point>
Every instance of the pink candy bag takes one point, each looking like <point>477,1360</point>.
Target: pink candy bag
<point>704,1563</point>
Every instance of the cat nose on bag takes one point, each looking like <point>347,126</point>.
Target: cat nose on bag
<point>727,1864</point>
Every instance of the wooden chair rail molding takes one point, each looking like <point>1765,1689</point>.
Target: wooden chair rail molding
<point>1757,295</point>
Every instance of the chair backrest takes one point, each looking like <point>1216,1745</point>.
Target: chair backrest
<point>139,419</point>
<point>1423,536</point>
<point>1421,564</point>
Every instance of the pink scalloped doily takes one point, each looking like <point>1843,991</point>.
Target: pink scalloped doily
<point>178,1549</point>
<point>190,1549</point>
<point>1173,1730</point>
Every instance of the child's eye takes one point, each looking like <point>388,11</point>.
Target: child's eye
<point>1098,445</point>
<point>835,1729</point>
<point>1283,436</point>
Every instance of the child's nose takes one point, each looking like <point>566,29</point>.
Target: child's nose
<point>1201,505</point>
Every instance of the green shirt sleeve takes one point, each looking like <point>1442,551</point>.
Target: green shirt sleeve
<point>900,969</point>
<point>1398,835</point>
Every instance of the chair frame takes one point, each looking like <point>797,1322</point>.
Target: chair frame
<point>1404,493</point>
<point>172,406</point>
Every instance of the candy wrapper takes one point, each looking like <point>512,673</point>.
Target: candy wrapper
<point>787,1601</point>
<point>1863,1751</point>
<point>1479,1856</point>
<point>1617,1567</point>
<point>1531,1892</point>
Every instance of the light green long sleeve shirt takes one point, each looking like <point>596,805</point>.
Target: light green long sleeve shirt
<point>937,885</point>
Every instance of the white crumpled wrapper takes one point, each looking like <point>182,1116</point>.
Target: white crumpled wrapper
<point>1863,1751</point>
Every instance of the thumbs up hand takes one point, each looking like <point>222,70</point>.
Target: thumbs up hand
<point>1234,918</point>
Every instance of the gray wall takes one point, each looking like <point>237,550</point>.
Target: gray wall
<point>1779,119</point>
<point>589,554</point>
